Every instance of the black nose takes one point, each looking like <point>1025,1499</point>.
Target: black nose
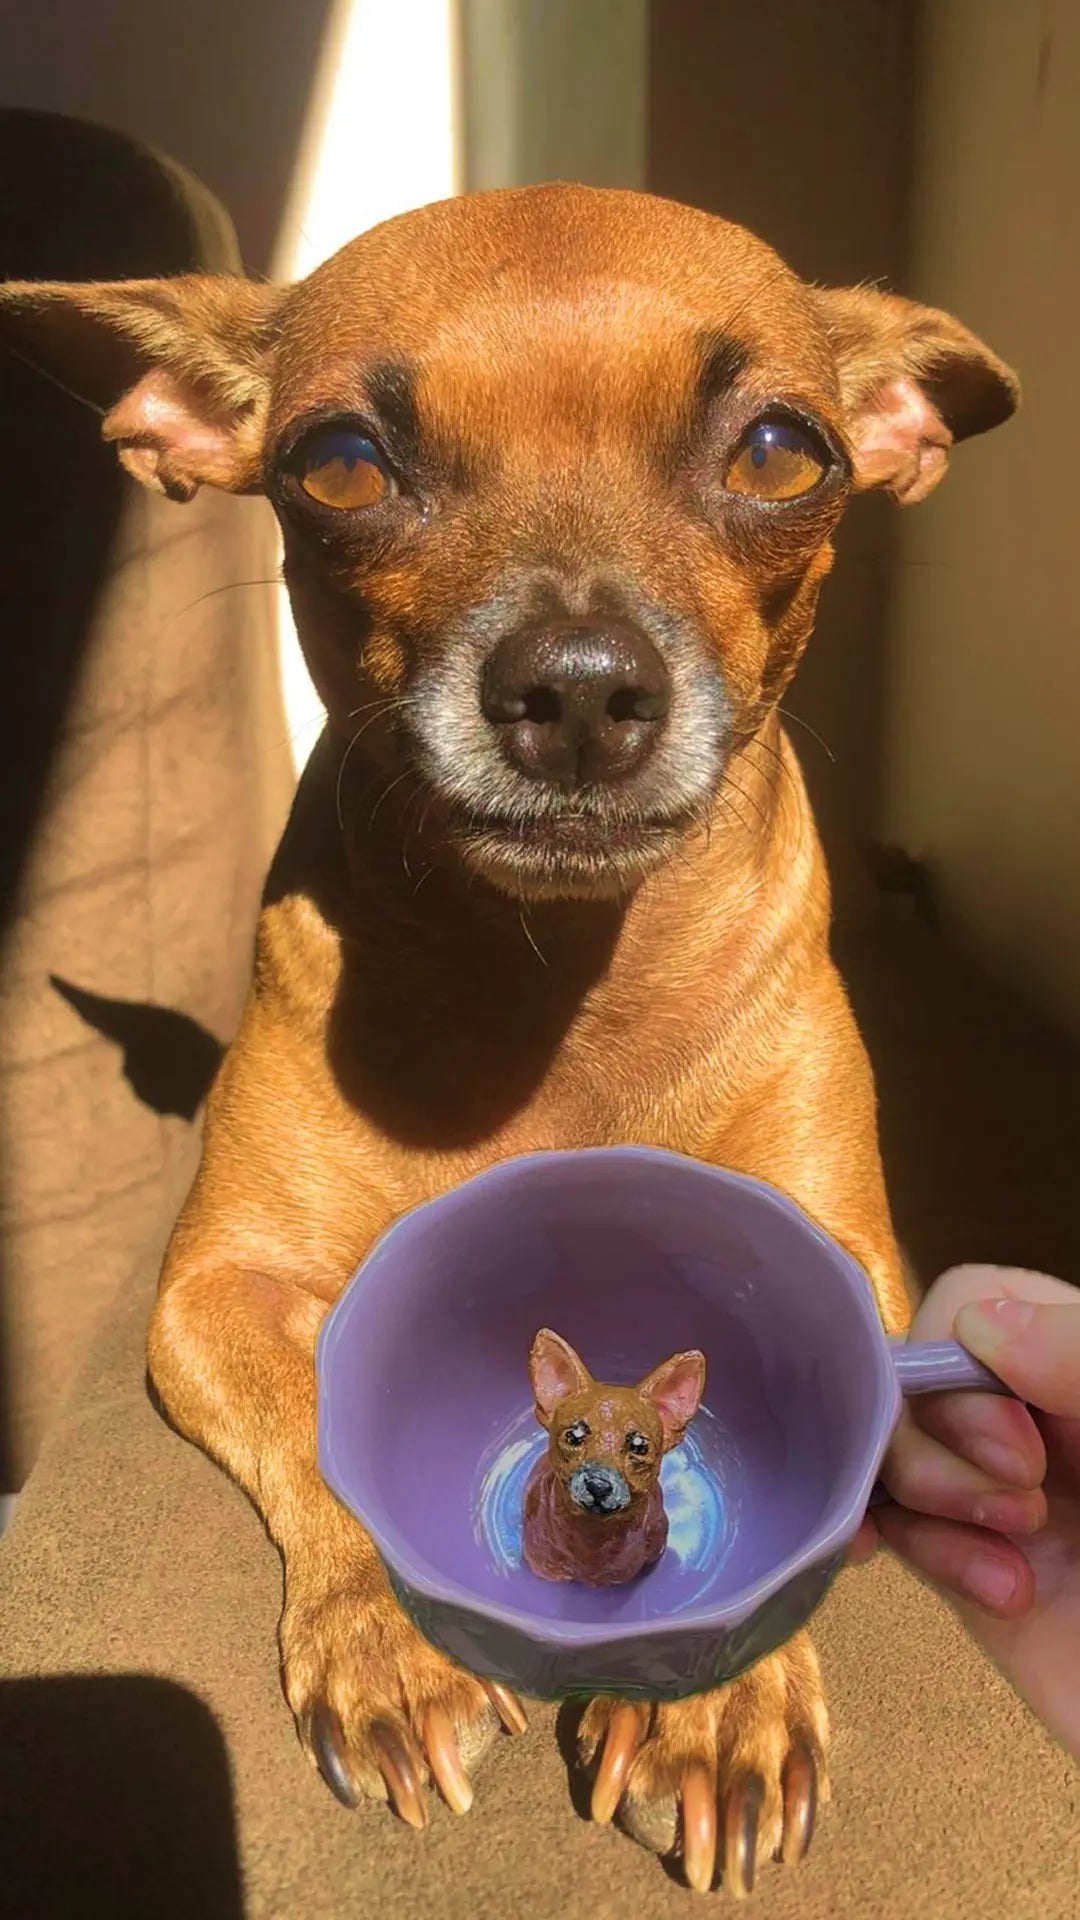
<point>576,703</point>
<point>599,1489</point>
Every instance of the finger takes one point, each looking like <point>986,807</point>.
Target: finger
<point>441,1747</point>
<point>1063,1446</point>
<point>961,1285</point>
<point>927,1477</point>
<point>1033,1346</point>
<point>402,1770</point>
<point>800,1803</point>
<point>741,1814</point>
<point>507,1706</point>
<point>699,1825</point>
<point>626,1731</point>
<point>970,1564</point>
<point>993,1433</point>
<point>865,1544</point>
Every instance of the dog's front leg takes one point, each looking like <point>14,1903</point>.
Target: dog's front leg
<point>378,1710</point>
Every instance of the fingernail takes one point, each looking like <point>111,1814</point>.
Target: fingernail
<point>991,1582</point>
<point>985,1326</point>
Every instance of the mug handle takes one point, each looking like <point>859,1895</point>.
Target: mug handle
<point>936,1366</point>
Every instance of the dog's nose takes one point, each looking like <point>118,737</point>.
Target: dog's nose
<point>599,1489</point>
<point>576,703</point>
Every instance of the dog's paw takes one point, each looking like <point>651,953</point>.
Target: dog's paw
<point>379,1711</point>
<point>744,1763</point>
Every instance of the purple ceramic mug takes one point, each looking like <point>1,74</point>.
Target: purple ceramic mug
<point>426,1429</point>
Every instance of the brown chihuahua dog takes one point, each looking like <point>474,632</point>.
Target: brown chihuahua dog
<point>593,1506</point>
<point>558,472</point>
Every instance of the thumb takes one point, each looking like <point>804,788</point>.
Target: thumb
<point>1034,1347</point>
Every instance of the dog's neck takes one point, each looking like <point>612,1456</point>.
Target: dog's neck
<point>562,1543</point>
<point>451,1008</point>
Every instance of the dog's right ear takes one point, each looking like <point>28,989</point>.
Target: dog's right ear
<point>555,1370</point>
<point>180,368</point>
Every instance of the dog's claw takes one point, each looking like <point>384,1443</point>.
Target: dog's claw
<point>699,1825</point>
<point>328,1745</point>
<point>741,1816</point>
<point>626,1731</point>
<point>401,1769</point>
<point>507,1706</point>
<point>440,1745</point>
<point>800,1803</point>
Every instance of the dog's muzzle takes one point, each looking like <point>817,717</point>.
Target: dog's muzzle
<point>599,1489</point>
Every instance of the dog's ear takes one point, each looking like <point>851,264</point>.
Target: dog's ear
<point>555,1370</point>
<point>675,1388</point>
<point>180,368</point>
<point>912,381</point>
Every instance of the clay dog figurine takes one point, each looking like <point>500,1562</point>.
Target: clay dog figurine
<point>594,1509</point>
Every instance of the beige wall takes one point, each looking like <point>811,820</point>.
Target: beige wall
<point>221,85</point>
<point>792,116</point>
<point>553,90</point>
<point>982,744</point>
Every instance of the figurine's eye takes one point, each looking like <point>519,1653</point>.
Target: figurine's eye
<point>576,1435</point>
<point>637,1444</point>
<point>340,467</point>
<point>776,460</point>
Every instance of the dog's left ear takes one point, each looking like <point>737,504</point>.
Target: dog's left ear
<point>180,368</point>
<point>675,1388</point>
<point>912,381</point>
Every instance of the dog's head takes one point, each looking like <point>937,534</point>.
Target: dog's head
<point>605,1443</point>
<point>557,471</point>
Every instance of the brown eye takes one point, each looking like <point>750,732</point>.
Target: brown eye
<point>637,1444</point>
<point>576,1435</point>
<point>777,460</point>
<point>339,467</point>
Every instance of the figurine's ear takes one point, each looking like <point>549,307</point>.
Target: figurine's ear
<point>555,1370</point>
<point>675,1388</point>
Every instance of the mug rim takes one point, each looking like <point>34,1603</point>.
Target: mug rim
<point>396,1550</point>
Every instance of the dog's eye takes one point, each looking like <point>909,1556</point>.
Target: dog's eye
<point>637,1444</point>
<point>340,467</point>
<point>776,460</point>
<point>576,1435</point>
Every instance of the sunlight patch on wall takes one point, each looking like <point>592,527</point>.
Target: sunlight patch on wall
<point>381,137</point>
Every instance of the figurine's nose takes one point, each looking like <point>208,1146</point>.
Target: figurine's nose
<point>599,1489</point>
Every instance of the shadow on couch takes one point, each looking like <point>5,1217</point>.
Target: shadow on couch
<point>117,1802</point>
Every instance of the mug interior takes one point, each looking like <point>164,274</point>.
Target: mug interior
<point>426,1417</point>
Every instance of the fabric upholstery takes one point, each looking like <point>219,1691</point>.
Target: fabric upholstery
<point>147,779</point>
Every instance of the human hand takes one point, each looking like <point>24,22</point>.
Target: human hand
<point>986,1491</point>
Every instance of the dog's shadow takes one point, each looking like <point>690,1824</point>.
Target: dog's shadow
<point>169,1060</point>
<point>117,1802</point>
<point>578,1776</point>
